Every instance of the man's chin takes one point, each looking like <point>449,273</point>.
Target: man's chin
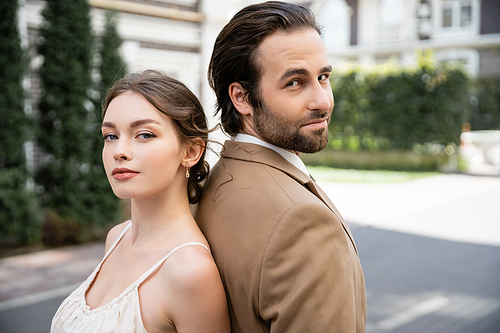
<point>316,142</point>
<point>312,146</point>
<point>303,141</point>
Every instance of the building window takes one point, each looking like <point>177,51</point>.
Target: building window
<point>454,18</point>
<point>335,18</point>
<point>391,15</point>
<point>447,15</point>
<point>456,14</point>
<point>466,14</point>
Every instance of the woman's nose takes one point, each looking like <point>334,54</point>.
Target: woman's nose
<point>122,151</point>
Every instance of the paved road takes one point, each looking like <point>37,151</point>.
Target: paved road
<point>33,285</point>
<point>454,207</point>
<point>430,251</point>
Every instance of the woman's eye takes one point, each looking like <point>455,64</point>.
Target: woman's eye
<point>146,136</point>
<point>109,137</point>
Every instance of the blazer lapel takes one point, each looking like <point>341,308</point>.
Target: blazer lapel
<point>314,188</point>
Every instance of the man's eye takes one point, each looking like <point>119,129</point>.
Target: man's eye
<point>323,77</point>
<point>293,83</point>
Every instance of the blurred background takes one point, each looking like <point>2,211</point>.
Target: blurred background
<point>413,161</point>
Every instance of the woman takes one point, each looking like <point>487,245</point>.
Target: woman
<point>158,274</point>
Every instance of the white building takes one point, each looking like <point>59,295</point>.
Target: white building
<point>177,36</point>
<point>372,31</point>
<point>164,35</point>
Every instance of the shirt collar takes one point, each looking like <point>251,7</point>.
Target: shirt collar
<point>287,155</point>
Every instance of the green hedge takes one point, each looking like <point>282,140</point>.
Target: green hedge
<point>19,217</point>
<point>485,104</point>
<point>393,107</point>
<point>381,160</point>
<point>78,201</point>
<point>397,118</point>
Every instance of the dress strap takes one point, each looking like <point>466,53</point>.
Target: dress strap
<point>116,242</point>
<point>162,260</point>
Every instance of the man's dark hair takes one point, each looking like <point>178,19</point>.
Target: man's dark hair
<point>234,58</point>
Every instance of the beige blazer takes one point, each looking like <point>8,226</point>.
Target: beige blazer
<point>287,259</point>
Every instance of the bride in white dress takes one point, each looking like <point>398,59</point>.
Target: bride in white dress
<point>158,274</point>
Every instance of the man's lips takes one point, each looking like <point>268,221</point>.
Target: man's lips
<point>123,173</point>
<point>317,123</point>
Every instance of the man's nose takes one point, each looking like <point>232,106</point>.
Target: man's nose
<point>321,98</point>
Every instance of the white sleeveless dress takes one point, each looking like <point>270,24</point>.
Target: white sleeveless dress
<point>121,315</point>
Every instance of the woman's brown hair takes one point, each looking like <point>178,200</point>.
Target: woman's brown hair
<point>172,98</point>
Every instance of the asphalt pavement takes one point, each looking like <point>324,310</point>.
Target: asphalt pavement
<point>430,251</point>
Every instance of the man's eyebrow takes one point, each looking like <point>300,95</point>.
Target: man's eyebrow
<point>327,69</point>
<point>301,71</point>
<point>294,71</point>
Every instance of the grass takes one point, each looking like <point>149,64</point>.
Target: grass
<point>326,174</point>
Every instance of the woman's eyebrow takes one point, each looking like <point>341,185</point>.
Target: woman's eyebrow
<point>143,122</point>
<point>108,124</point>
<point>133,124</point>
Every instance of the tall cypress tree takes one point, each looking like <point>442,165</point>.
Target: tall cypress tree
<point>112,66</point>
<point>19,221</point>
<point>104,205</point>
<point>63,131</point>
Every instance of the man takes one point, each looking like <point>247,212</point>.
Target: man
<point>287,259</point>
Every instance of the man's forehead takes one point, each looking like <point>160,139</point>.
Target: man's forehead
<point>298,52</point>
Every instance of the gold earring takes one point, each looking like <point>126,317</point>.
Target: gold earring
<point>187,170</point>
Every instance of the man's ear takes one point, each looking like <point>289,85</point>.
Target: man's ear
<point>193,152</point>
<point>238,97</point>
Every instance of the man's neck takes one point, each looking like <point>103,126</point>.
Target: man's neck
<point>249,137</point>
<point>286,154</point>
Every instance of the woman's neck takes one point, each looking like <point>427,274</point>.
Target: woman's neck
<point>157,216</point>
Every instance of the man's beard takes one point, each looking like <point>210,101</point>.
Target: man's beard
<point>285,132</point>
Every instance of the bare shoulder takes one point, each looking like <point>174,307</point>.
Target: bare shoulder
<point>190,266</point>
<point>114,233</point>
<point>195,288</point>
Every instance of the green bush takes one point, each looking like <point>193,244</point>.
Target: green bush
<point>75,189</point>
<point>391,107</point>
<point>485,104</point>
<point>415,112</point>
<point>19,218</point>
<point>378,160</point>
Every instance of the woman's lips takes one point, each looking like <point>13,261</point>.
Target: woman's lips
<point>123,173</point>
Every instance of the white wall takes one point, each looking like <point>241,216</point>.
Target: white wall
<point>159,33</point>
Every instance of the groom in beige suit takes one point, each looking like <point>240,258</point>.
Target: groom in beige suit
<point>287,258</point>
